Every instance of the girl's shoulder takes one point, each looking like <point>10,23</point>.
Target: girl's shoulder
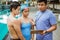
<point>30,19</point>
<point>20,19</point>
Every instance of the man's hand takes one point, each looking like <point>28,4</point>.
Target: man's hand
<point>44,32</point>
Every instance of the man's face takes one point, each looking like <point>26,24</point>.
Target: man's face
<point>17,11</point>
<point>42,6</point>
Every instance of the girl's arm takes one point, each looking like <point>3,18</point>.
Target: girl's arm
<point>32,28</point>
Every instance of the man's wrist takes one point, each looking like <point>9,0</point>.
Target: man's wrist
<point>46,31</point>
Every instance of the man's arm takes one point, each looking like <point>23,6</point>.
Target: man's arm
<point>17,26</point>
<point>53,23</point>
<point>53,27</point>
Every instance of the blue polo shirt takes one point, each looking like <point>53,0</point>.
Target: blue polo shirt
<point>44,20</point>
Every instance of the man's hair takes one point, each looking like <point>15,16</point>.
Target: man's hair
<point>14,5</point>
<point>45,1</point>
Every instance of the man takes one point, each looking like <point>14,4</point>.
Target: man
<point>13,25</point>
<point>45,20</point>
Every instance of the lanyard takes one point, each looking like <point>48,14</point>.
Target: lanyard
<point>39,17</point>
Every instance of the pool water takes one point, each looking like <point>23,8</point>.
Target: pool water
<point>3,30</point>
<point>3,26</point>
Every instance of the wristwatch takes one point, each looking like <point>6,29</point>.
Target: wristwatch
<point>46,31</point>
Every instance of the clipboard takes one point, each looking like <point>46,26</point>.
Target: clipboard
<point>36,31</point>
